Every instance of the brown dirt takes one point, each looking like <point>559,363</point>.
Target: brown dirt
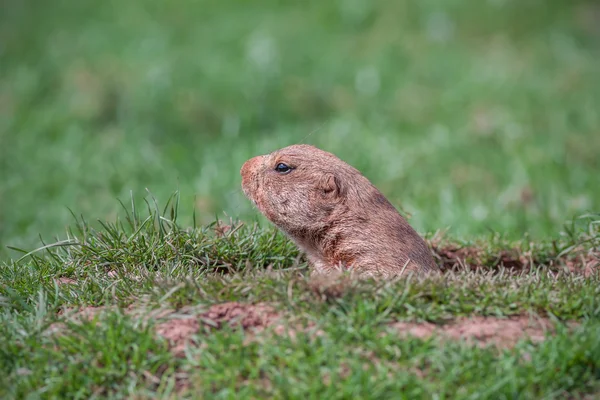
<point>180,328</point>
<point>253,317</point>
<point>247,315</point>
<point>482,331</point>
<point>74,314</point>
<point>178,332</point>
<point>221,229</point>
<point>65,281</point>
<point>453,257</point>
<point>585,266</point>
<point>87,313</point>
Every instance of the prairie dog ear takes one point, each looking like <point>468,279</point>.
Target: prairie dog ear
<point>331,186</point>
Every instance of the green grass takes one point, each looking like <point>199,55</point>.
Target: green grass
<point>473,116</point>
<point>96,358</point>
<point>477,118</point>
<point>144,263</point>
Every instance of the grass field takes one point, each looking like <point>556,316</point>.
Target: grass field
<point>143,308</point>
<point>478,119</point>
<point>473,116</point>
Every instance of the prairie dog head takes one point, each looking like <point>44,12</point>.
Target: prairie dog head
<point>298,187</point>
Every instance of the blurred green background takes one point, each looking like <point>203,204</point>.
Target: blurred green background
<point>474,115</point>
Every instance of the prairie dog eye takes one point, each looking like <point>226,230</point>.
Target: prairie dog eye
<point>283,168</point>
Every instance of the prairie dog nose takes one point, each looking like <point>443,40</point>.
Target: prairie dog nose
<point>250,172</point>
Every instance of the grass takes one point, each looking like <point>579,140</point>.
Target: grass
<point>484,113</point>
<point>341,342</point>
<point>478,119</point>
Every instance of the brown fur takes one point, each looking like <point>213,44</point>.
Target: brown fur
<point>334,214</point>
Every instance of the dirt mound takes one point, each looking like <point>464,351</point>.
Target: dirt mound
<point>247,315</point>
<point>472,258</point>
<point>180,330</point>
<point>482,331</point>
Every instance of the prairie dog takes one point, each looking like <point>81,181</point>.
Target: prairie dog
<point>333,213</point>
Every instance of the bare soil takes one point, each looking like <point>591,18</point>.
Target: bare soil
<point>65,281</point>
<point>180,328</point>
<point>180,331</point>
<point>454,257</point>
<point>482,331</point>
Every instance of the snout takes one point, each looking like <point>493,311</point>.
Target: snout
<point>250,175</point>
<point>249,168</point>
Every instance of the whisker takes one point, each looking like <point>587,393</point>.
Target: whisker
<point>318,128</point>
